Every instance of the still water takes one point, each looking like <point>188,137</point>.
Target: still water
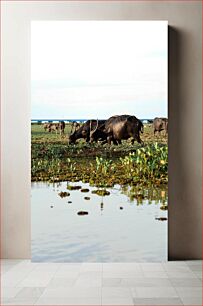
<point>116,228</point>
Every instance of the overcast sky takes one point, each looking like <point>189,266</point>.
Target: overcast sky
<point>96,69</point>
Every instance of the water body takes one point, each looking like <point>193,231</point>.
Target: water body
<point>116,229</point>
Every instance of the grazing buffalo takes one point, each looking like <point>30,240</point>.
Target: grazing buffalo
<point>55,127</point>
<point>74,126</point>
<point>160,124</point>
<point>123,127</point>
<point>84,131</point>
<point>98,133</point>
<point>102,132</point>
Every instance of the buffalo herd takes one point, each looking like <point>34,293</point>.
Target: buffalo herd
<point>113,130</point>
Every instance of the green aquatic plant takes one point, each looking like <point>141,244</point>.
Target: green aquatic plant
<point>71,165</point>
<point>149,162</point>
<point>103,165</point>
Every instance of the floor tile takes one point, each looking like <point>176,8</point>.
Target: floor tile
<point>21,301</point>
<point>193,262</point>
<point>198,274</point>
<point>43,267</point>
<point>146,282</point>
<point>70,267</point>
<point>122,267</point>
<point>178,274</point>
<point>65,274</point>
<point>9,292</point>
<point>88,282</point>
<point>157,301</point>
<point>73,292</point>
<point>177,268</point>
<point>112,282</point>
<point>35,281</point>
<point>39,277</point>
<point>152,267</point>
<point>6,268</point>
<point>155,274</point>
<point>12,280</point>
<point>192,301</point>
<point>69,301</point>
<point>155,292</point>
<point>174,263</point>
<point>189,291</point>
<point>30,292</point>
<point>122,274</point>
<point>90,274</point>
<point>88,267</point>
<point>117,301</point>
<point>196,268</point>
<point>61,282</point>
<point>15,275</point>
<point>185,282</point>
<point>89,279</point>
<point>116,292</point>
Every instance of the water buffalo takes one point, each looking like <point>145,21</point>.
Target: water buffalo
<point>84,131</point>
<point>101,133</point>
<point>61,127</point>
<point>123,127</point>
<point>46,126</point>
<point>74,126</point>
<point>98,133</point>
<point>160,124</point>
<point>53,127</point>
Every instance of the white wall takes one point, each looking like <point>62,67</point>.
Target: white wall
<point>184,112</point>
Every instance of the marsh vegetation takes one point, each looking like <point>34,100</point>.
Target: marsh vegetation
<point>101,165</point>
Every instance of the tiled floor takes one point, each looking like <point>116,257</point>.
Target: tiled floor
<point>172,283</point>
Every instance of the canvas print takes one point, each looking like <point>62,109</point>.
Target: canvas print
<point>99,150</point>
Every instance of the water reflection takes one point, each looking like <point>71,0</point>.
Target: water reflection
<point>141,193</point>
<point>119,227</point>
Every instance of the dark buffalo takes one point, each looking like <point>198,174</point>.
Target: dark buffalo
<point>61,127</point>
<point>84,130</point>
<point>123,127</point>
<point>75,126</point>
<point>160,124</point>
<point>98,133</point>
